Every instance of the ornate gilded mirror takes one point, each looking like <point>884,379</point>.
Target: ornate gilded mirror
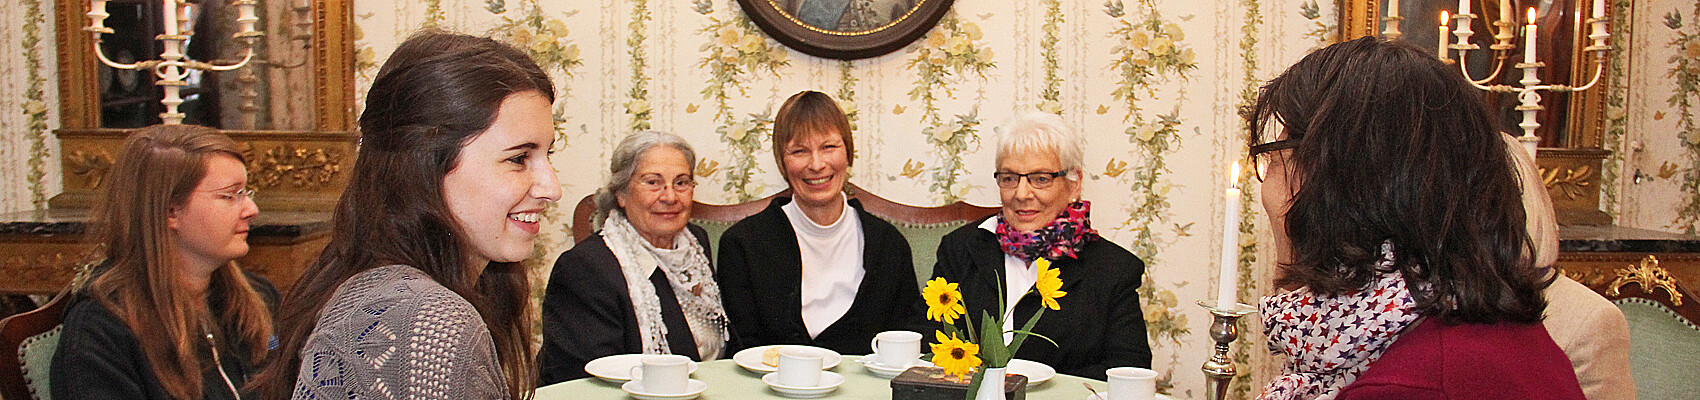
<point>291,108</point>
<point>1572,124</point>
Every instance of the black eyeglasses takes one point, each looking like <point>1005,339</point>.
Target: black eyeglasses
<point>1261,154</point>
<point>1039,180</point>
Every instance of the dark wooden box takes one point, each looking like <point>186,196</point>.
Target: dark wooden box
<point>930,383</point>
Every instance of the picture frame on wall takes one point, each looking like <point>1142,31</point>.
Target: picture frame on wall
<point>845,29</point>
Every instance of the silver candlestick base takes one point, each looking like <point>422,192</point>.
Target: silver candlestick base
<point>1219,369</point>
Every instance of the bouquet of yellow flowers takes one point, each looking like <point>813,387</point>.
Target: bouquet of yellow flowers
<point>959,357</point>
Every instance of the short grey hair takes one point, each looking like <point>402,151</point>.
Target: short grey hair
<point>1042,131</point>
<point>624,163</point>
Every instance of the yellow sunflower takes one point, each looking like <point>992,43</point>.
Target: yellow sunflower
<point>955,356</point>
<point>1050,280</point>
<point>944,301</point>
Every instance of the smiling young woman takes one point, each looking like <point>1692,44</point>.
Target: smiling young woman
<point>420,290</point>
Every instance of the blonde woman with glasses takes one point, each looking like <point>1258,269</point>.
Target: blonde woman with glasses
<point>167,313</point>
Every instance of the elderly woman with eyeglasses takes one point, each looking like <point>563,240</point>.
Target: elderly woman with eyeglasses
<point>643,284</point>
<point>1099,325</point>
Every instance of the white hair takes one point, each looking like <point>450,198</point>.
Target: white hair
<point>1042,131</point>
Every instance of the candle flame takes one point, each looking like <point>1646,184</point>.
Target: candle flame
<point>1234,175</point>
<point>1531,15</point>
<point>1444,20</point>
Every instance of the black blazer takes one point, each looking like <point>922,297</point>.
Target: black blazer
<point>1100,325</point>
<point>587,312</point>
<point>760,277</point>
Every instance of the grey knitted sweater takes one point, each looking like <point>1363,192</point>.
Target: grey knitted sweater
<point>394,333</point>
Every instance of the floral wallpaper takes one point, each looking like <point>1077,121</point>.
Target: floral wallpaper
<point>1156,85</point>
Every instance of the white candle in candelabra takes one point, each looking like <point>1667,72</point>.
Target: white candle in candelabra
<point>1599,15</point>
<point>1463,7</point>
<point>1440,39</point>
<point>170,16</point>
<point>1529,38</point>
<point>245,15</point>
<point>1392,8</point>
<point>97,13</point>
<point>1505,11</point>
<point>1227,289</point>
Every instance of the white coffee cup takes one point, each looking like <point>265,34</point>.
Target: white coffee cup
<point>1132,383</point>
<point>896,348</point>
<point>663,374</point>
<point>799,367</point>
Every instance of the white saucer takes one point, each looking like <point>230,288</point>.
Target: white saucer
<point>618,368</point>
<point>883,371</point>
<point>1104,396</point>
<point>750,358</point>
<point>829,381</point>
<point>693,389</point>
<point>1035,371</point>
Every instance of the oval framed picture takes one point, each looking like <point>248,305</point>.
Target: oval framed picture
<point>845,29</point>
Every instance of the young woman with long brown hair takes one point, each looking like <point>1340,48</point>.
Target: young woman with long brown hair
<point>166,313</point>
<point>420,293</point>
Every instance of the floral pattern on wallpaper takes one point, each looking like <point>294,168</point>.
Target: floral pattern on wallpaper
<point>35,104</point>
<point>1685,71</point>
<point>637,103</point>
<point>1617,118</point>
<point>955,47</point>
<point>1149,52</point>
<point>1049,96</point>
<point>736,51</point>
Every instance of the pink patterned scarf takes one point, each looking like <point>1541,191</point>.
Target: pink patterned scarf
<point>1327,341</point>
<point>1064,237</point>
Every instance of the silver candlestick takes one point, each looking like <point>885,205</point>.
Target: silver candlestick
<point>1224,329</point>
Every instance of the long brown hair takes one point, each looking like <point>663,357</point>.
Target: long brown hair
<point>435,94</point>
<point>160,167</point>
<point>1393,145</point>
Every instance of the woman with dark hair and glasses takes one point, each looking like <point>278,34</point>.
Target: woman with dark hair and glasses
<point>1040,162</point>
<point>814,268</point>
<point>1400,231</point>
<point>643,284</point>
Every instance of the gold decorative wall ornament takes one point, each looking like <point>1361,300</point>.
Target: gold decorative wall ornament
<point>1568,182</point>
<point>1593,277</point>
<point>301,167</point>
<point>1650,276</point>
<point>90,167</point>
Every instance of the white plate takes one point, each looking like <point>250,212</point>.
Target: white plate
<point>750,358</point>
<point>829,382</point>
<point>886,371</point>
<point>1035,371</point>
<point>693,388</point>
<point>1100,396</point>
<point>618,368</point>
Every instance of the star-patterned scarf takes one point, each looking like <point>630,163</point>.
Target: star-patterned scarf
<point>1327,341</point>
<point>1064,237</point>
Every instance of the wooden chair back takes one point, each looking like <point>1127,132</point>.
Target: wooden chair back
<point>18,380</point>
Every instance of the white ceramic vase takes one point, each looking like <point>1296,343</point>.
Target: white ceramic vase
<point>991,385</point>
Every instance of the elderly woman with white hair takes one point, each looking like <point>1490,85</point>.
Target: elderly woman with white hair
<point>1100,324</point>
<point>643,284</point>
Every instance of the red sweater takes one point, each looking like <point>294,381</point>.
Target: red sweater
<point>1469,361</point>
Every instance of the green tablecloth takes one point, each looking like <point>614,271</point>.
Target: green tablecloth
<point>727,381</point>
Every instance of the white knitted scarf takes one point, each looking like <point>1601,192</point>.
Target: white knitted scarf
<point>690,276</point>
